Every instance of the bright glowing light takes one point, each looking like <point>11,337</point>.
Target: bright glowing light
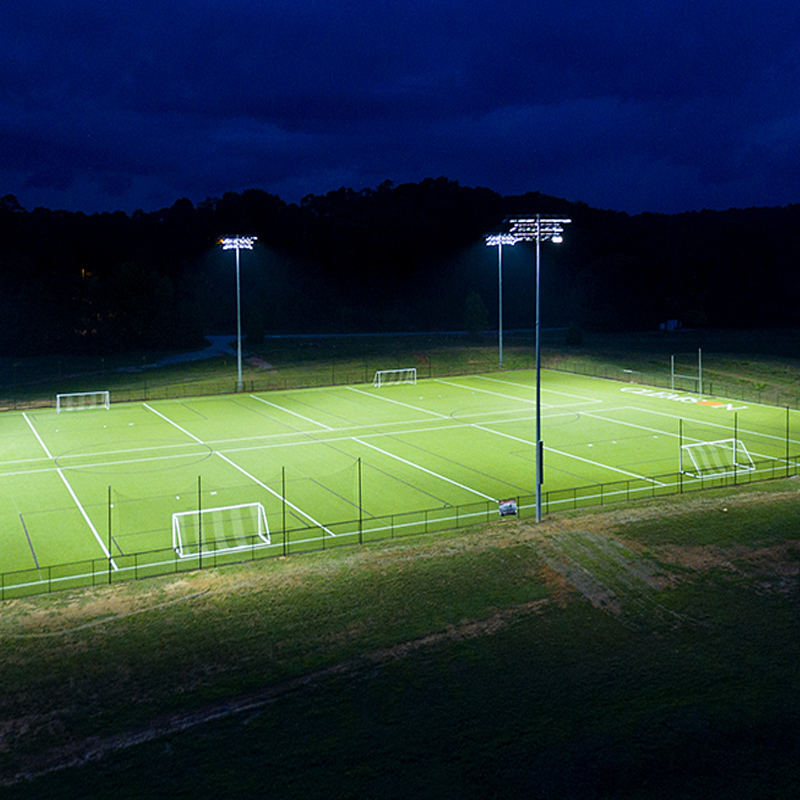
<point>496,239</point>
<point>238,242</point>
<point>541,228</point>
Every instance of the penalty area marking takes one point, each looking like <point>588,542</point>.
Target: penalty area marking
<point>275,494</point>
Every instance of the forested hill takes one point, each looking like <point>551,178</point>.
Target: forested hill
<point>394,258</point>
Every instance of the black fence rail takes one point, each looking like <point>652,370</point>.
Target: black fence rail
<point>294,541</point>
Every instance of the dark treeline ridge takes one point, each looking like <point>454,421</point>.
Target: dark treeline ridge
<point>409,257</point>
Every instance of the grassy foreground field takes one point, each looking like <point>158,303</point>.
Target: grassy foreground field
<point>648,652</point>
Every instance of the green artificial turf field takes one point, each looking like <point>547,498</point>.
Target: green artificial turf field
<point>95,490</point>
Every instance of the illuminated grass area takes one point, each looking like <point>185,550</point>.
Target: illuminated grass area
<point>96,489</point>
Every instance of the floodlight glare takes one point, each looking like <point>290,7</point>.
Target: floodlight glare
<point>238,243</point>
<point>496,239</point>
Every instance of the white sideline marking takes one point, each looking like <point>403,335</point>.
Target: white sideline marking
<point>275,494</point>
<point>72,494</point>
<point>397,402</point>
<point>175,424</point>
<point>293,413</point>
<point>424,469</point>
<point>577,458</point>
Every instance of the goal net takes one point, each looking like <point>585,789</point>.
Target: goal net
<point>715,459</point>
<point>227,529</point>
<point>73,401</point>
<point>385,376</point>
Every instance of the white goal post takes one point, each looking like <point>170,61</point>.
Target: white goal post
<point>385,376</point>
<point>75,401</point>
<point>227,529</point>
<point>715,459</point>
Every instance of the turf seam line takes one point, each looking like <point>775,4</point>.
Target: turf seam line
<point>30,543</point>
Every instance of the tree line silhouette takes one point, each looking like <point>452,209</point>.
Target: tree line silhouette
<point>409,257</point>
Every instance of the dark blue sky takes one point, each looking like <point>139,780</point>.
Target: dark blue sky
<point>637,106</point>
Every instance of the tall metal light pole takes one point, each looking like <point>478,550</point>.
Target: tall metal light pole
<point>539,228</point>
<point>238,243</point>
<point>498,240</point>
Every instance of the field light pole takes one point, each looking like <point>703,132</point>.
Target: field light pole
<point>498,240</point>
<point>539,228</point>
<point>238,243</point>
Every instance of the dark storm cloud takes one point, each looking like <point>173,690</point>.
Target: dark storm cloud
<point>659,106</point>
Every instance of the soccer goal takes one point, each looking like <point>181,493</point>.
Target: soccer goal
<point>715,459</point>
<point>228,529</point>
<point>386,376</point>
<point>75,401</point>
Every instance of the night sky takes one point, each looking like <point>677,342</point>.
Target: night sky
<point>636,106</point>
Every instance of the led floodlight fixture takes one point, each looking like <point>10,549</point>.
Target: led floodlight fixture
<point>498,240</point>
<point>238,243</point>
<point>538,228</point>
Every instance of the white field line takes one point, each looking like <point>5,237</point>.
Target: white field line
<point>724,427</point>
<point>487,391</point>
<point>425,470</point>
<point>72,494</point>
<point>174,424</point>
<point>275,494</point>
<point>545,390</point>
<point>637,426</point>
<point>245,473</point>
<point>576,458</point>
<point>260,445</point>
<point>398,403</point>
<point>293,413</point>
